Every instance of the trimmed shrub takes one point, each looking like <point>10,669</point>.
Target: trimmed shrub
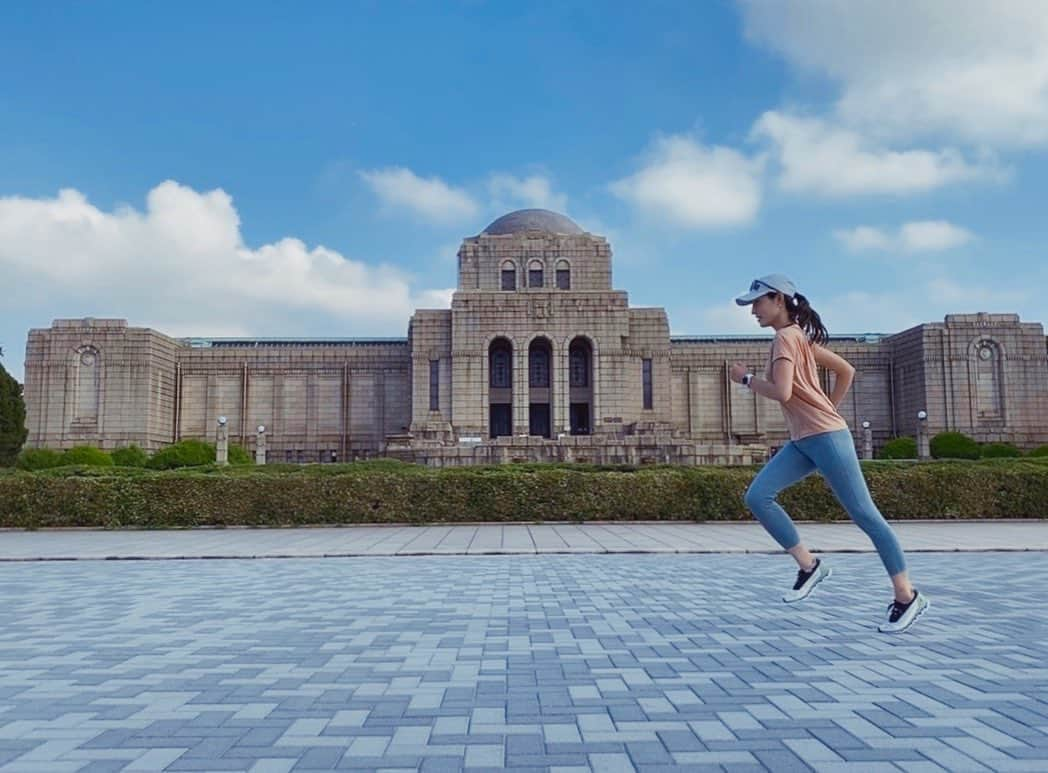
<point>246,496</point>
<point>239,455</point>
<point>899,448</point>
<point>185,453</point>
<point>130,456</point>
<point>954,445</point>
<point>1039,451</point>
<point>88,456</point>
<point>38,459</point>
<point>999,451</point>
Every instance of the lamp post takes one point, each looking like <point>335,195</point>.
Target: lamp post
<point>923,446</point>
<point>222,446</point>
<point>867,441</point>
<point>260,445</point>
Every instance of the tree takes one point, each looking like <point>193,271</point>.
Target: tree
<point>12,417</point>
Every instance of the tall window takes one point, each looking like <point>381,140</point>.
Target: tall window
<point>434,385</point>
<point>509,276</point>
<point>563,275</point>
<point>538,367</point>
<point>500,367</point>
<point>535,278</point>
<point>578,364</point>
<point>647,386</point>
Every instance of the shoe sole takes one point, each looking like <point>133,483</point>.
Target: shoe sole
<point>811,590</point>
<point>916,617</point>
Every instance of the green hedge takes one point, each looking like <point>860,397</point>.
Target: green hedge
<point>38,459</point>
<point>999,451</point>
<point>130,456</point>
<point>899,448</point>
<point>954,445</point>
<point>89,455</point>
<point>392,493</point>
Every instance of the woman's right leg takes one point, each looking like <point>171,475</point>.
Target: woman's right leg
<point>784,469</point>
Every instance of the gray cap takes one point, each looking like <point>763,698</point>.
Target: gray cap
<point>772,283</point>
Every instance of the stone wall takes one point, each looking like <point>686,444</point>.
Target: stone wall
<point>99,382</point>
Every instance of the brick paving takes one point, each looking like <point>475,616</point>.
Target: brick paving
<point>574,662</point>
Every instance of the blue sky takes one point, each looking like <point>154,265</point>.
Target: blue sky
<point>262,169</point>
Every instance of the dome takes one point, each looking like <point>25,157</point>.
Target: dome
<point>532,220</point>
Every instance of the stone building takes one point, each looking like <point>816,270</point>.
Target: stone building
<point>538,358</point>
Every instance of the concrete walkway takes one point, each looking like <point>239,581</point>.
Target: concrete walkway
<point>487,539</point>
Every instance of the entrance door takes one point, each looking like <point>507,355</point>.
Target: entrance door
<point>500,419</point>
<point>539,419</point>
<point>580,419</point>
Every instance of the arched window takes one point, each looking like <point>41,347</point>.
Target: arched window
<point>579,363</point>
<point>988,393</point>
<point>509,276</point>
<point>535,274</point>
<point>500,364</point>
<point>538,363</point>
<point>563,275</point>
<point>87,384</point>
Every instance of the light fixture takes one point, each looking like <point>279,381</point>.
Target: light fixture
<point>221,421</point>
<point>922,415</point>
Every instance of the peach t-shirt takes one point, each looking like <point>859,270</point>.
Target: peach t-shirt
<point>809,411</point>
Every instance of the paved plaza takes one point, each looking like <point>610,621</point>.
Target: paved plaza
<point>601,660</point>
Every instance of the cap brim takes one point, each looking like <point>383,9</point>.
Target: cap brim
<point>748,298</point>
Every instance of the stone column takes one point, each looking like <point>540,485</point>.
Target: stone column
<point>260,445</point>
<point>222,446</point>
<point>867,441</point>
<point>923,444</point>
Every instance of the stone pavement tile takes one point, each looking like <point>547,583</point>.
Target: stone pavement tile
<point>236,662</point>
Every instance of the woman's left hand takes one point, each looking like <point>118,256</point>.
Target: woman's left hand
<point>738,370</point>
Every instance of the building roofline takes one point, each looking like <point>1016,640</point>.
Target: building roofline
<point>251,343</point>
<point>747,338</point>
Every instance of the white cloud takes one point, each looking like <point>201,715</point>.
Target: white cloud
<point>817,157</point>
<point>918,236</point>
<point>933,235</point>
<point>431,198</point>
<point>972,70</point>
<point>865,237</point>
<point>695,186</point>
<point>509,192</point>
<point>182,267</point>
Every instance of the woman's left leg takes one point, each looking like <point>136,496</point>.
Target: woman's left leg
<point>834,454</point>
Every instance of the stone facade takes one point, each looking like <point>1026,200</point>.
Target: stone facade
<point>538,358</point>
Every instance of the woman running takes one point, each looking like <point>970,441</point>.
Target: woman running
<point>819,440</point>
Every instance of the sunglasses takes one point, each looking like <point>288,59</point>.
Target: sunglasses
<point>757,285</point>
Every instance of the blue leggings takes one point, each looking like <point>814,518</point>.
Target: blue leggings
<point>833,455</point>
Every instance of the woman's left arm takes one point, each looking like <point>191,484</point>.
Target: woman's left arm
<point>841,367</point>
<point>780,388</point>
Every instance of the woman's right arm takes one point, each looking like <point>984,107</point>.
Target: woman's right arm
<point>841,367</point>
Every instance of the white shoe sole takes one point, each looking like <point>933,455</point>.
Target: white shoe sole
<point>819,578</point>
<point>923,608</point>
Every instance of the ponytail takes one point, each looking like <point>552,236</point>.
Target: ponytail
<point>803,314</point>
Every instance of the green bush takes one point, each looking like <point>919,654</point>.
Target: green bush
<point>954,445</point>
<point>12,418</point>
<point>239,455</point>
<point>999,451</point>
<point>253,496</point>
<point>899,448</point>
<point>130,456</point>
<point>185,453</point>
<point>87,455</point>
<point>38,459</point>
<point>1039,451</point>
